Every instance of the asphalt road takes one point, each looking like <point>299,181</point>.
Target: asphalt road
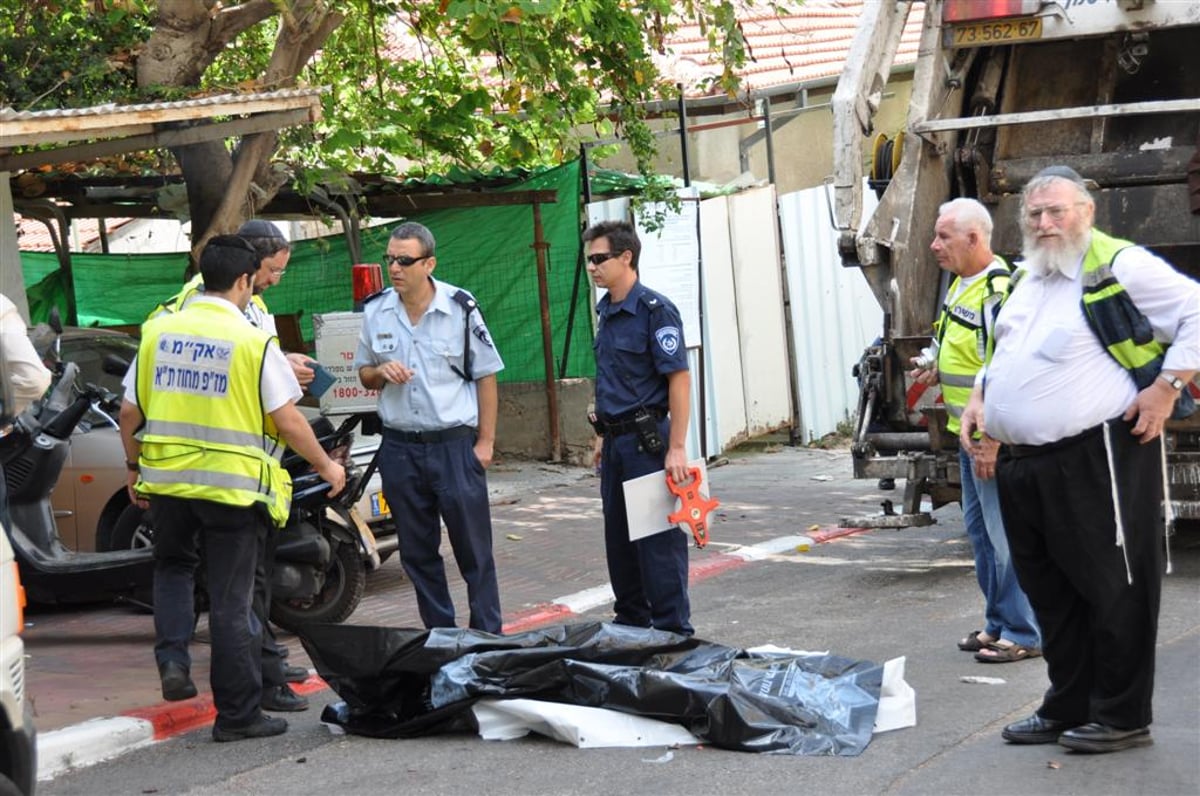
<point>875,595</point>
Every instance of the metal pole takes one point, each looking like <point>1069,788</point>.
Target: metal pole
<point>683,140</point>
<point>770,140</point>
<point>579,268</point>
<point>540,246</point>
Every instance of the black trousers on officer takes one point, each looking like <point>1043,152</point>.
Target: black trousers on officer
<point>649,576</point>
<point>1098,628</point>
<point>424,483</point>
<point>230,538</point>
<point>273,654</point>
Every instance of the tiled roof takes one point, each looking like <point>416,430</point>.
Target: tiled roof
<point>32,235</point>
<point>785,49</point>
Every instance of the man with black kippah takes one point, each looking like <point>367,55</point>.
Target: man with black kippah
<point>1093,349</point>
<point>274,251</point>
<point>209,403</point>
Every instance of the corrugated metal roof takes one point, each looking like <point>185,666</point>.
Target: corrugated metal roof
<point>11,114</point>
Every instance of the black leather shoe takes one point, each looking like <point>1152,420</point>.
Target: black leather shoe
<point>1035,729</point>
<point>176,682</point>
<point>262,727</point>
<point>1099,738</point>
<point>294,674</point>
<point>282,699</point>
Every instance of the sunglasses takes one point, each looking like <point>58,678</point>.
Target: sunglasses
<point>402,259</point>
<point>600,257</point>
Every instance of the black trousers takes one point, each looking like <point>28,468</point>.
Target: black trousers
<point>425,483</point>
<point>1099,616</point>
<point>231,538</point>
<point>273,660</point>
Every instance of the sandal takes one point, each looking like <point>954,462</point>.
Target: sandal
<point>995,653</point>
<point>972,643</point>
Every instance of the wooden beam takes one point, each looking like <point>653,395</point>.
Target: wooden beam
<point>160,138</point>
<point>400,204</point>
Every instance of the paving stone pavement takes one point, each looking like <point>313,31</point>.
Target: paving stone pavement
<point>97,661</point>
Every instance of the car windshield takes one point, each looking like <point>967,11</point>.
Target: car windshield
<point>89,353</point>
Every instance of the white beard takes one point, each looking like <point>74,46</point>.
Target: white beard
<point>1045,259</point>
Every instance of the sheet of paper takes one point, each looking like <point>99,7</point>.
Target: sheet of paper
<point>648,501</point>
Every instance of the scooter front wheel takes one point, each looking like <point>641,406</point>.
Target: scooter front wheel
<point>345,583</point>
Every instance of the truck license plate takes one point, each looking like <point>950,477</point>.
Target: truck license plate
<point>379,505</point>
<point>982,34</point>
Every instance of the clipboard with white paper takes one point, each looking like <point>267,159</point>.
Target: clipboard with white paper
<point>648,501</point>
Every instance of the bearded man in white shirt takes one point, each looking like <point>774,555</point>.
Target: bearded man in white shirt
<point>1094,346</point>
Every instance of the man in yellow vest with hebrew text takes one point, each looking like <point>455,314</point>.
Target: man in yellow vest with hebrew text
<point>209,405</point>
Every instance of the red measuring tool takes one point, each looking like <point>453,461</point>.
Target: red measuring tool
<point>693,506</point>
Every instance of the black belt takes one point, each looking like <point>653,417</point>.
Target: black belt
<point>625,424</point>
<point>1021,451</point>
<point>428,437</point>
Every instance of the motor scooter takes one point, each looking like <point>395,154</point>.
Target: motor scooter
<point>324,551</point>
<point>33,453</point>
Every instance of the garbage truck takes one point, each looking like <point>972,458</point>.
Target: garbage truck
<point>1000,90</point>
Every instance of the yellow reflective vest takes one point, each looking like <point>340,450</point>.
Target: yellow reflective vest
<point>964,335</point>
<point>206,435</point>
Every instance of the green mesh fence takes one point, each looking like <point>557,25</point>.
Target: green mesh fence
<point>488,251</point>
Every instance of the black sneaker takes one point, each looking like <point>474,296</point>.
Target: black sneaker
<point>262,727</point>
<point>294,674</point>
<point>177,684</point>
<point>282,699</point>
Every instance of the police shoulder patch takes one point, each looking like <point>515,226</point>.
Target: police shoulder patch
<point>481,332</point>
<point>668,338</point>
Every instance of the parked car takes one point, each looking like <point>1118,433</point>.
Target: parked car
<point>90,494</point>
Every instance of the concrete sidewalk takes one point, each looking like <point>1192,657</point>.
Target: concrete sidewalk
<point>91,674</point>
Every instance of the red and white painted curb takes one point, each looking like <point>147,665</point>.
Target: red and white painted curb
<point>100,739</point>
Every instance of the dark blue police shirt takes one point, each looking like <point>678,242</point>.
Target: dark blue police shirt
<point>638,342</point>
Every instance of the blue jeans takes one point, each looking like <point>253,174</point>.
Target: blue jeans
<point>1007,613</point>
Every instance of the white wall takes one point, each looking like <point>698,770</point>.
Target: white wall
<point>834,314</point>
<point>726,396</point>
<point>758,291</point>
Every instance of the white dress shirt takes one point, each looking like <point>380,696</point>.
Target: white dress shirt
<point>1050,378</point>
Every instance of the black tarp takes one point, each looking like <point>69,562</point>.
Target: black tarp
<point>399,683</point>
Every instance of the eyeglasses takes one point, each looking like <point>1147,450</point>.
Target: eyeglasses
<point>1055,212</point>
<point>403,259</point>
<point>601,257</point>
<point>277,271</point>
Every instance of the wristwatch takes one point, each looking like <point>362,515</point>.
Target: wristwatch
<point>1175,382</point>
<point>132,466</point>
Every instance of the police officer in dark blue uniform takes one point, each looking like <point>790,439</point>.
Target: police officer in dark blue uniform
<point>641,415</point>
<point>425,347</point>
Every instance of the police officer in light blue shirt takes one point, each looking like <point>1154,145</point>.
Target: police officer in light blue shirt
<point>642,408</point>
<point>425,346</point>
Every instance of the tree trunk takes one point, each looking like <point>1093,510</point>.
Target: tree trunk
<point>224,189</point>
